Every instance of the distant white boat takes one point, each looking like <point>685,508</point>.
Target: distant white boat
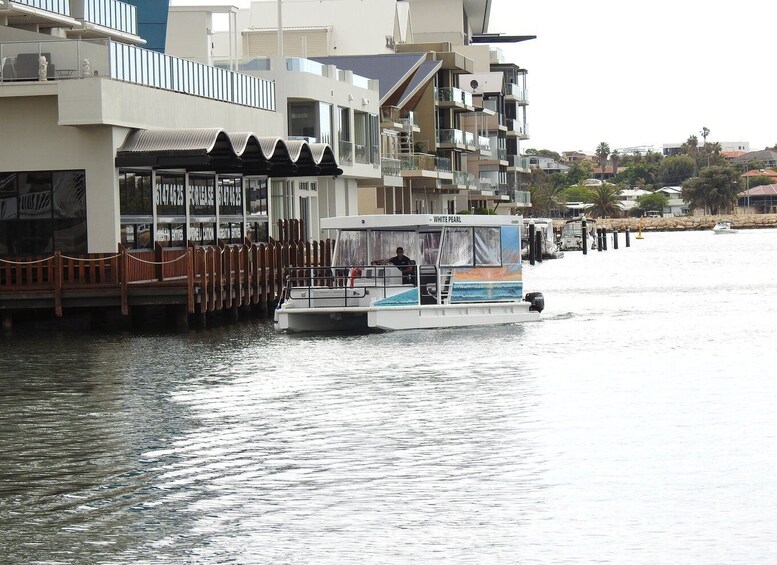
<point>723,227</point>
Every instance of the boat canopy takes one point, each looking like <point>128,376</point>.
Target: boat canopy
<point>417,221</point>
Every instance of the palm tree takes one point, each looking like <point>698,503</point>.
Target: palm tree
<point>606,202</point>
<point>705,131</point>
<point>602,152</point>
<point>615,158</point>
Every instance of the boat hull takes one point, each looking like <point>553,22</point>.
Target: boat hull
<point>404,317</point>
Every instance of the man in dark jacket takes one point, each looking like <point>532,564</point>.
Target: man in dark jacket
<point>404,264</point>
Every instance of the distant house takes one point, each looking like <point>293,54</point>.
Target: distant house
<point>670,149</point>
<point>629,196</point>
<point>771,173</point>
<point>547,164</point>
<point>758,200</point>
<point>767,156</point>
<point>676,205</point>
<point>574,157</point>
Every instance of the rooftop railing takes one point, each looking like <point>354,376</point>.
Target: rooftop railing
<point>61,7</point>
<point>73,59</point>
<point>112,14</point>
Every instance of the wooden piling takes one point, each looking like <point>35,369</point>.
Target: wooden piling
<point>531,243</point>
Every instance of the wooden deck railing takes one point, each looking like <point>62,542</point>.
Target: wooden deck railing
<point>214,277</point>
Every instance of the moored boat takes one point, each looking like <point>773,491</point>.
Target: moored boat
<point>462,271</point>
<point>723,226</point>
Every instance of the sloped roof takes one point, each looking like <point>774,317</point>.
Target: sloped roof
<point>760,173</point>
<point>762,155</point>
<point>214,149</point>
<point>391,70</point>
<point>764,190</point>
<point>424,74</point>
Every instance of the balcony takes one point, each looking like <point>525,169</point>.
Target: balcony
<point>464,179</point>
<point>362,154</point>
<point>514,93</point>
<point>448,97</point>
<point>522,198</point>
<point>391,167</point>
<point>517,128</point>
<point>111,14</point>
<point>408,122</point>
<point>519,164</point>
<point>484,144</point>
<point>424,165</point>
<point>454,137</point>
<point>345,152</point>
<point>390,117</point>
<point>61,7</point>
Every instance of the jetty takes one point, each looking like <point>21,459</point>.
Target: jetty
<point>192,282</point>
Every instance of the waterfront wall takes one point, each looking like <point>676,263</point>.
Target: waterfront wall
<point>685,223</point>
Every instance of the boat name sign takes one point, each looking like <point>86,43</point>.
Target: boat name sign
<point>446,219</point>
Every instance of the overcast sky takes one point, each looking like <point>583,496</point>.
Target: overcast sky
<point>635,74</point>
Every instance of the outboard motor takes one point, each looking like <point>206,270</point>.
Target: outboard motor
<point>536,300</point>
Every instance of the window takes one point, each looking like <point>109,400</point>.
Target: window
<point>42,211</point>
<point>488,247</point>
<point>351,249</point>
<point>135,193</point>
<point>456,248</point>
<point>170,195</point>
<point>230,196</point>
<point>202,195</point>
<point>384,244</point>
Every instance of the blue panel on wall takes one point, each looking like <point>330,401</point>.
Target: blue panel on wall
<point>152,22</point>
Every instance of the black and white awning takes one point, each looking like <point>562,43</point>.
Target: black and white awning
<point>214,149</point>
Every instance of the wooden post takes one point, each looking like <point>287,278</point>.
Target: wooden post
<point>190,258</point>
<point>584,227</point>
<point>58,284</point>
<point>599,239</point>
<point>604,237</point>
<point>538,245</point>
<point>158,255</point>
<point>124,281</point>
<point>531,243</point>
<point>615,239</point>
<point>628,242</point>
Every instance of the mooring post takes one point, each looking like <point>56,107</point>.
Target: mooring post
<point>628,243</point>
<point>584,227</point>
<point>615,239</point>
<point>599,239</point>
<point>531,243</point>
<point>604,237</point>
<point>538,245</point>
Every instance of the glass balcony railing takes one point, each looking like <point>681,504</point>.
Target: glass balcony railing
<point>345,151</point>
<point>469,139</point>
<point>408,121</point>
<point>389,114</point>
<point>501,153</point>
<point>112,14</point>
<point>485,184</point>
<point>356,80</point>
<point>484,144</point>
<point>450,137</point>
<point>361,154</point>
<point>74,59</point>
<point>57,6</point>
<point>522,197</point>
<point>450,94</point>
<point>464,178</point>
<point>516,91</point>
<point>300,65</point>
<point>391,167</point>
<point>520,162</point>
<point>444,164</point>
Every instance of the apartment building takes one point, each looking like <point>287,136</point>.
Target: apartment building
<point>115,144</point>
<point>463,148</point>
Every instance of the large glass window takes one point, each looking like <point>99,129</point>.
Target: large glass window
<point>202,195</point>
<point>170,195</point>
<point>230,196</point>
<point>430,247</point>
<point>456,248</point>
<point>42,211</point>
<point>136,206</point>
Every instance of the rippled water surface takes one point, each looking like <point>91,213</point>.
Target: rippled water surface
<point>635,424</point>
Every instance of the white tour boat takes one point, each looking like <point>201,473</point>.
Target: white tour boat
<point>465,271</point>
<point>723,226</point>
<point>572,235</point>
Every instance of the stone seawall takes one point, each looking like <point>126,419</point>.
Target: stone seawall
<point>685,223</point>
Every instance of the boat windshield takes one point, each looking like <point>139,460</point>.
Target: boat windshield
<point>351,248</point>
<point>384,243</point>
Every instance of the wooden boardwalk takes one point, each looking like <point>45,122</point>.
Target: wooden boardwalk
<point>203,279</point>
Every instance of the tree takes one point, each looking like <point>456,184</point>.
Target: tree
<point>752,182</point>
<point>578,193</point>
<point>606,202</point>
<point>579,172</point>
<point>602,152</point>
<point>715,189</point>
<point>544,195</point>
<point>654,201</point>
<point>705,131</point>
<point>615,157</point>
<point>675,169</point>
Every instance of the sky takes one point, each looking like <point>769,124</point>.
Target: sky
<point>637,74</point>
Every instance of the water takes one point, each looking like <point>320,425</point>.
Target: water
<point>635,424</point>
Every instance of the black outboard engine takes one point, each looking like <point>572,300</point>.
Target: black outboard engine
<point>536,300</point>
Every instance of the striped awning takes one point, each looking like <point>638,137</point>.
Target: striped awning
<point>214,149</point>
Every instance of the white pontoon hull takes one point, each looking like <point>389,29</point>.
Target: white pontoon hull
<point>403,317</point>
